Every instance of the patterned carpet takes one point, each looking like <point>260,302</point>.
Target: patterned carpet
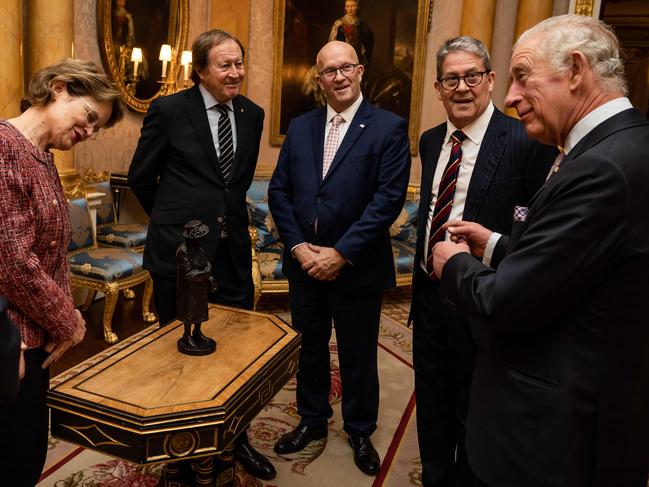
<point>325,463</point>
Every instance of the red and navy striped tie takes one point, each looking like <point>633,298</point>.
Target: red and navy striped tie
<point>445,196</point>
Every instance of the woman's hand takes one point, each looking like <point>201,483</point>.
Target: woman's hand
<point>56,350</point>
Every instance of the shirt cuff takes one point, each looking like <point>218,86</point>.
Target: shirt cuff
<point>296,246</point>
<point>489,248</point>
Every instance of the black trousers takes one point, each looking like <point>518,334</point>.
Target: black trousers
<point>314,305</point>
<point>444,352</point>
<point>232,291</point>
<point>23,425</point>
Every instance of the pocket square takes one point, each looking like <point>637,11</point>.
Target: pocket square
<point>520,213</point>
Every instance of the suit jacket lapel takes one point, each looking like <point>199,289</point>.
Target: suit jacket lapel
<point>491,150</point>
<point>355,129</point>
<point>241,121</point>
<point>198,118</point>
<point>623,120</point>
<point>428,173</point>
<point>317,137</point>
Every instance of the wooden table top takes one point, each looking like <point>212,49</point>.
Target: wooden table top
<point>146,377</point>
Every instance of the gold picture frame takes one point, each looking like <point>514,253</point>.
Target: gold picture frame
<point>173,29</point>
<point>394,60</point>
<point>589,8</point>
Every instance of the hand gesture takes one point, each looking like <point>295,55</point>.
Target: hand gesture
<point>473,234</point>
<point>57,349</point>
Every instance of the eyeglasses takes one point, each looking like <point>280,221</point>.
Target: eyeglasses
<point>92,117</point>
<point>224,68</point>
<point>330,74</point>
<point>450,83</point>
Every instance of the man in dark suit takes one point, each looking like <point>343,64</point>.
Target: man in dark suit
<point>195,161</point>
<point>340,181</point>
<point>560,397</point>
<point>499,167</point>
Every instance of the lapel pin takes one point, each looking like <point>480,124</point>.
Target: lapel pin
<point>362,125</point>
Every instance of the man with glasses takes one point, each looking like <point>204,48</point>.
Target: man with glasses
<point>476,166</point>
<point>340,182</point>
<point>195,160</point>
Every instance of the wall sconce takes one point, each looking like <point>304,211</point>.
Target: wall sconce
<point>169,69</point>
<point>185,62</point>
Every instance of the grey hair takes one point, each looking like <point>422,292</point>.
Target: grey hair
<point>596,40</point>
<point>464,44</point>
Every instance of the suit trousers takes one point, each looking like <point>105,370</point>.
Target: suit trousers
<point>314,305</point>
<point>232,291</point>
<point>23,425</point>
<point>444,354</point>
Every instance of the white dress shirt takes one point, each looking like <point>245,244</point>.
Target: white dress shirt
<point>348,116</point>
<point>475,133</point>
<point>213,116</point>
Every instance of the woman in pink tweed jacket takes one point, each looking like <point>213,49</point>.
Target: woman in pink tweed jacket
<point>66,103</point>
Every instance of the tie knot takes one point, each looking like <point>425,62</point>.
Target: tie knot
<point>223,109</point>
<point>458,136</point>
<point>337,119</point>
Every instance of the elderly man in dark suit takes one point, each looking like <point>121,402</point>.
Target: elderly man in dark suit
<point>561,395</point>
<point>195,161</point>
<point>478,165</point>
<point>340,181</point>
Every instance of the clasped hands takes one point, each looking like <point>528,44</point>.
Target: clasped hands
<point>464,237</point>
<point>321,263</point>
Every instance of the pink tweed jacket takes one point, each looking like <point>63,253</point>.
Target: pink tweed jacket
<point>34,236</point>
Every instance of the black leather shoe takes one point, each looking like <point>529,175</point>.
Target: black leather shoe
<point>252,461</point>
<point>297,439</point>
<point>366,457</point>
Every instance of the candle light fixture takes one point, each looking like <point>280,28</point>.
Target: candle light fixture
<point>185,62</point>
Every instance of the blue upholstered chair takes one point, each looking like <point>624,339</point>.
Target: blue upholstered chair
<point>108,270</point>
<point>267,249</point>
<point>110,233</point>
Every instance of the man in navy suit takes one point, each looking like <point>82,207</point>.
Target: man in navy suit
<point>560,398</point>
<point>195,160</point>
<point>340,182</point>
<point>499,167</point>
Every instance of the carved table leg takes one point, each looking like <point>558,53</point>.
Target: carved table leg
<point>204,471</point>
<point>171,476</point>
<point>224,470</point>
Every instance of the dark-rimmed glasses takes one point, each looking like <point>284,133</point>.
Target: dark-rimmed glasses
<point>330,74</point>
<point>450,83</point>
<point>92,117</point>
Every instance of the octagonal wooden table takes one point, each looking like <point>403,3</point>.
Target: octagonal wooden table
<point>143,401</point>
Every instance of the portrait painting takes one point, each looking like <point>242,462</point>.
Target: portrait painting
<point>387,35</point>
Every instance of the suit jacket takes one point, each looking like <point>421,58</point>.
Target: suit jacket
<point>561,397</point>
<point>510,168</point>
<point>354,205</point>
<point>176,177</point>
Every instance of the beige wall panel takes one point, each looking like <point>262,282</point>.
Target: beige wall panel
<point>530,13</point>
<point>501,48</point>
<point>11,64</point>
<point>478,19</point>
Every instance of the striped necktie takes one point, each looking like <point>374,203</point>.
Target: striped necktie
<point>445,195</point>
<point>226,148</point>
<point>556,164</point>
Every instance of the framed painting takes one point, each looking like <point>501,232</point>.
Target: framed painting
<point>389,37</point>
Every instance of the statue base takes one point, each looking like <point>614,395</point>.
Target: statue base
<point>190,346</point>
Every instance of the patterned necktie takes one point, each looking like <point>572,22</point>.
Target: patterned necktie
<point>445,195</point>
<point>555,165</point>
<point>331,144</point>
<point>226,147</point>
